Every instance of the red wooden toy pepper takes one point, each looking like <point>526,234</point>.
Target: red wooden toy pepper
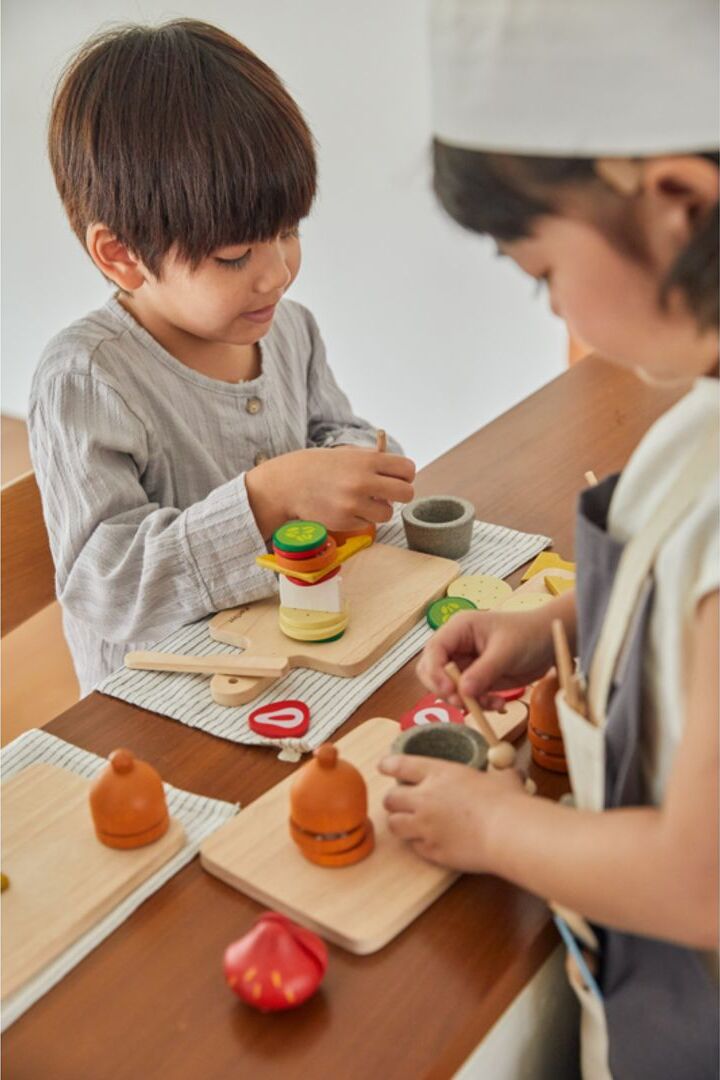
<point>277,965</point>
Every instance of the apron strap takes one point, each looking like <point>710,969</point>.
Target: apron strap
<point>635,565</point>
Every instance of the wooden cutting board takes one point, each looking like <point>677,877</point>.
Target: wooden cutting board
<point>387,589</point>
<point>62,879</point>
<point>360,907</point>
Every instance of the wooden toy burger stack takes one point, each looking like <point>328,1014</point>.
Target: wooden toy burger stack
<point>127,802</point>
<point>307,561</point>
<point>546,743</point>
<point>329,811</point>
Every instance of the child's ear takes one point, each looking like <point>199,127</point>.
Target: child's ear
<point>691,179</point>
<point>679,192</point>
<point>676,192</point>
<point>113,259</point>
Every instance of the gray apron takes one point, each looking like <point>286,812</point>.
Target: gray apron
<point>660,1001</point>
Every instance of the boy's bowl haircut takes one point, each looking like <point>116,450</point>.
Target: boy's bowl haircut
<point>178,136</point>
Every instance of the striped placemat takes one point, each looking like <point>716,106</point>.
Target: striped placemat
<point>199,816</point>
<point>330,698</point>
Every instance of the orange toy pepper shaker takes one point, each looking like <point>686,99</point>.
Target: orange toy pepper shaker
<point>546,744</point>
<point>328,811</point>
<point>127,802</point>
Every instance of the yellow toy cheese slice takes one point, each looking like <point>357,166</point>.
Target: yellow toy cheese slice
<point>344,552</point>
<point>547,560</point>
<point>312,620</point>
<point>304,625</point>
<point>483,590</point>
<point>559,585</point>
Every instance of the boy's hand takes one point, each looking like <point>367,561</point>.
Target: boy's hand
<point>343,491</point>
<point>494,652</point>
<point>450,814</point>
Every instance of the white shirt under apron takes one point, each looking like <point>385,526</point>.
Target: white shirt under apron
<point>687,568</point>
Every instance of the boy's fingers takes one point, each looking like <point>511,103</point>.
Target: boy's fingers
<point>456,640</point>
<point>401,799</point>
<point>409,768</point>
<point>376,510</point>
<point>481,675</point>
<point>432,675</point>
<point>405,826</point>
<point>493,703</point>
<point>396,465</point>
<point>431,668</point>
<point>425,850</point>
<point>392,490</point>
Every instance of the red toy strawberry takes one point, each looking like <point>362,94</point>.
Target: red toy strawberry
<point>277,965</point>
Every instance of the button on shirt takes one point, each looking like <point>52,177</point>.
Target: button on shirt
<point>141,464</point>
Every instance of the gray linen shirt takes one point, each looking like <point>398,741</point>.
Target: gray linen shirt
<point>141,461</point>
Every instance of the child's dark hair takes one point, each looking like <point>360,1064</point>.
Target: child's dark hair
<point>178,136</point>
<point>502,194</point>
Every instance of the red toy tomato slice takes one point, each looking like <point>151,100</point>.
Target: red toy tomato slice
<point>431,710</point>
<point>277,965</point>
<point>280,719</point>
<point>510,695</point>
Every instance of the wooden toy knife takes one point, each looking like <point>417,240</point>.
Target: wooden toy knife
<point>251,666</point>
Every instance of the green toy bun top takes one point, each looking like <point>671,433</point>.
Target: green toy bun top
<point>300,536</point>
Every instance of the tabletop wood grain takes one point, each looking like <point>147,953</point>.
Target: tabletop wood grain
<point>151,1000</point>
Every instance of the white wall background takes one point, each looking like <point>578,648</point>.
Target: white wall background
<point>427,332</point>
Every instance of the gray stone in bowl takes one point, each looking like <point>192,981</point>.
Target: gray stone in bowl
<point>439,525</point>
<point>450,742</point>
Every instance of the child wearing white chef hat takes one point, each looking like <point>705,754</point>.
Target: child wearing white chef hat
<point>583,138</point>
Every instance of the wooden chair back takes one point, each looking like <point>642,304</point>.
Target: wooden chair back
<point>27,573</point>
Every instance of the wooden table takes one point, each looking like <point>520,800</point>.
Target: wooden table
<point>151,1000</point>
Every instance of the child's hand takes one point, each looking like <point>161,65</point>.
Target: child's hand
<point>450,814</point>
<point>344,491</point>
<point>494,652</point>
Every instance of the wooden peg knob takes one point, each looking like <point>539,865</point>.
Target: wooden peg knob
<point>501,756</point>
<point>326,755</point>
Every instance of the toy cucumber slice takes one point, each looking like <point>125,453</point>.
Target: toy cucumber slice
<point>443,609</point>
<point>300,536</point>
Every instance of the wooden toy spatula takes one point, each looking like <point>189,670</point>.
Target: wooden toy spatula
<point>252,666</point>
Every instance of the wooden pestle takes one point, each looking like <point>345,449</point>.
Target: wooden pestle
<point>501,755</point>
<point>566,670</point>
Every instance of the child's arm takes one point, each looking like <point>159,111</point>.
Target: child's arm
<point>645,870</point>
<point>124,565</point>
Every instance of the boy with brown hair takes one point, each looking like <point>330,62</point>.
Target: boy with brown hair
<point>176,427</point>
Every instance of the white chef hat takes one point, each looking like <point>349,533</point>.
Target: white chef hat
<point>577,78</point>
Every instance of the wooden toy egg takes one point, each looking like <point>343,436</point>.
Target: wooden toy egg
<point>328,811</point>
<point>127,802</point>
<point>277,965</point>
